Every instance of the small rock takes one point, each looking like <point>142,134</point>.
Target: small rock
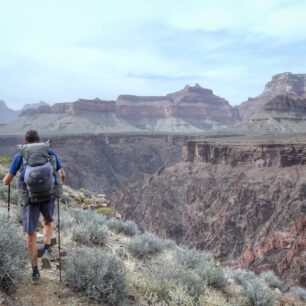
<point>66,293</point>
<point>277,291</point>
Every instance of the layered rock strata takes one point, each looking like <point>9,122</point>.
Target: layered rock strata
<point>245,203</point>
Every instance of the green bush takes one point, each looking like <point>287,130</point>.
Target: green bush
<point>13,254</point>
<point>96,274</point>
<point>144,245</point>
<point>105,211</point>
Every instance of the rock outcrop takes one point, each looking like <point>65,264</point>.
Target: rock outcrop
<point>283,86</point>
<point>244,202</point>
<point>193,109</point>
<point>194,105</point>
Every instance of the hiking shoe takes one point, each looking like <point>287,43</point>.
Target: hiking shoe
<point>35,277</point>
<point>46,260</point>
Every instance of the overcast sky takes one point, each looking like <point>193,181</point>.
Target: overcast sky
<point>62,50</point>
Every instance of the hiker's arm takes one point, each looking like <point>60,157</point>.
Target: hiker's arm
<point>59,165</point>
<point>63,174</point>
<point>8,178</point>
<point>13,168</point>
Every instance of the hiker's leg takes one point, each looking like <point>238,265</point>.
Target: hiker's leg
<point>32,248</point>
<point>47,210</point>
<point>30,221</point>
<point>48,227</point>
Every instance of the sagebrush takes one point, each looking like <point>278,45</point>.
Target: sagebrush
<point>13,254</point>
<point>98,275</point>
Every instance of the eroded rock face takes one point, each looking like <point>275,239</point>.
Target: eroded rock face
<point>191,110</point>
<point>191,103</point>
<point>103,162</point>
<point>244,203</point>
<point>280,94</point>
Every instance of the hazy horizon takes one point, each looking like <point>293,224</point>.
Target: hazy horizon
<point>57,51</point>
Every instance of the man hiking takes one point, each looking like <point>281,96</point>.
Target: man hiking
<point>40,168</point>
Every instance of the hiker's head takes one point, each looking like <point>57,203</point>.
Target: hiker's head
<point>31,136</point>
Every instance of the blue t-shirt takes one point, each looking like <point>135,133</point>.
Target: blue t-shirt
<point>18,161</point>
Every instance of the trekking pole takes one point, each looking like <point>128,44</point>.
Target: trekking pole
<point>59,238</point>
<point>8,200</point>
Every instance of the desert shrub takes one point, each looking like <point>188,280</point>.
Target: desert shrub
<point>254,287</point>
<point>190,258</point>
<point>80,199</point>
<point>214,297</point>
<point>67,221</point>
<point>162,281</point>
<point>130,228</point>
<point>144,245</point>
<point>115,225</point>
<point>86,216</point>
<point>13,254</point>
<point>96,274</point>
<point>176,296</point>
<point>3,192</point>
<point>298,291</point>
<point>105,211</point>
<point>89,233</point>
<point>97,234</point>
<point>5,160</point>
<point>80,234</point>
<point>87,194</point>
<point>258,293</point>
<point>66,199</point>
<point>14,196</point>
<point>271,279</point>
<point>206,267</point>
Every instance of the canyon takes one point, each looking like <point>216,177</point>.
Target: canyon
<point>191,167</point>
<point>243,201</point>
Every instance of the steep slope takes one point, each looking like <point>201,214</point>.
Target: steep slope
<point>227,198</point>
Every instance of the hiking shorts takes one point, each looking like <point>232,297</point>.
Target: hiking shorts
<point>31,213</point>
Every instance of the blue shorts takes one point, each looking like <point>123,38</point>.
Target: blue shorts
<point>31,214</point>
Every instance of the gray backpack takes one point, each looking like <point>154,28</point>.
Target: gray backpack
<point>39,174</point>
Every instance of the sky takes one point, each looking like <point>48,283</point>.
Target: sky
<point>63,50</point>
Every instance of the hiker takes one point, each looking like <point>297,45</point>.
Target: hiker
<point>40,173</point>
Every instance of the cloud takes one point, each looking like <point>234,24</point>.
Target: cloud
<point>62,50</point>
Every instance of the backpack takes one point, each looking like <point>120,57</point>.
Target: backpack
<point>39,171</point>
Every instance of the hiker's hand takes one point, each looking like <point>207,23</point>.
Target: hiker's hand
<point>8,178</point>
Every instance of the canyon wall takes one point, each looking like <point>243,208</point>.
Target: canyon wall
<point>233,199</point>
<point>103,162</point>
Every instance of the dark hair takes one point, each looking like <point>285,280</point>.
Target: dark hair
<point>32,136</point>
